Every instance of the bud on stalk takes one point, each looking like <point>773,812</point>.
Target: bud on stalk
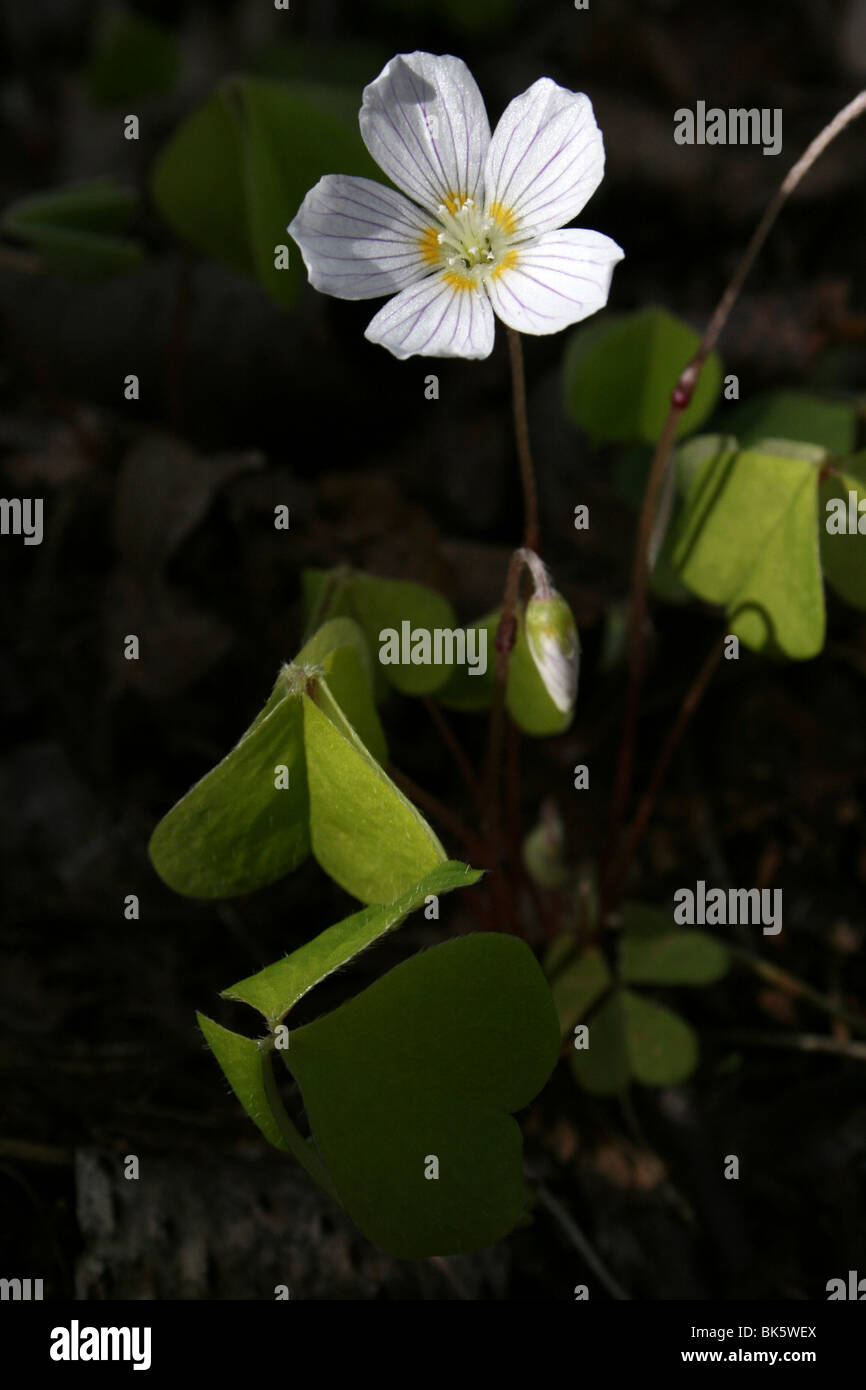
<point>551,636</point>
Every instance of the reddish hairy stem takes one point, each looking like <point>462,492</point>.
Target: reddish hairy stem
<point>521,435</point>
<point>680,398</point>
<point>505,634</point>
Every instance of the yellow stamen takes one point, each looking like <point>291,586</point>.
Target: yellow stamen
<point>459,282</point>
<point>429,246</point>
<point>509,260</point>
<point>504,216</point>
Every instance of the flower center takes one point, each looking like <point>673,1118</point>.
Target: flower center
<point>471,243</point>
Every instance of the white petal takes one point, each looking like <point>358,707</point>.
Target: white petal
<point>559,279</point>
<point>435,320</point>
<point>546,158</point>
<point>423,121</point>
<point>360,239</point>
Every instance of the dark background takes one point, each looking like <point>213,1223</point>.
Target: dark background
<point>99,1053</point>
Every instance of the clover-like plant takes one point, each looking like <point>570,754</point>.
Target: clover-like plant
<point>410,1087</point>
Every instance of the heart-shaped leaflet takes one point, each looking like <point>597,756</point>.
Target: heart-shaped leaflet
<point>411,1086</point>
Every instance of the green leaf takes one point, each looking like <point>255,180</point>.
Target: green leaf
<point>390,604</point>
<point>526,696</point>
<point>364,832</point>
<point>325,594</point>
<point>235,173</point>
<point>276,989</point>
<point>134,59</point>
<point>603,1067</point>
<point>100,205</point>
<point>77,230</point>
<point>387,606</point>
<point>246,1062</point>
<point>749,540</point>
<point>629,473</point>
<point>431,1060</point>
<point>631,1037</point>
<point>663,1049</point>
<point>794,415</point>
<point>339,649</point>
<point>236,830</point>
<point>843,553</point>
<point>197,184</point>
<point>467,691</point>
<point>578,986</point>
<point>693,458</point>
<point>655,953</point>
<point>239,829</point>
<point>620,372</point>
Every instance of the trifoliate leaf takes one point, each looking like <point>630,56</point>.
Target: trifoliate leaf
<point>410,1090</point>
<point>631,1037</point>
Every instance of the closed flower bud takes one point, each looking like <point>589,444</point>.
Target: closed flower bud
<point>551,636</point>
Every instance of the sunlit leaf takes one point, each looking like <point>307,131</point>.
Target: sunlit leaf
<point>277,988</point>
<point>239,829</point>
<point>247,1066</point>
<point>429,1063</point>
<point>340,651</point>
<point>245,1062</point>
<point>364,832</point>
<point>748,540</point>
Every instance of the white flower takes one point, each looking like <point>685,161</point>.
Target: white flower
<point>482,232</point>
